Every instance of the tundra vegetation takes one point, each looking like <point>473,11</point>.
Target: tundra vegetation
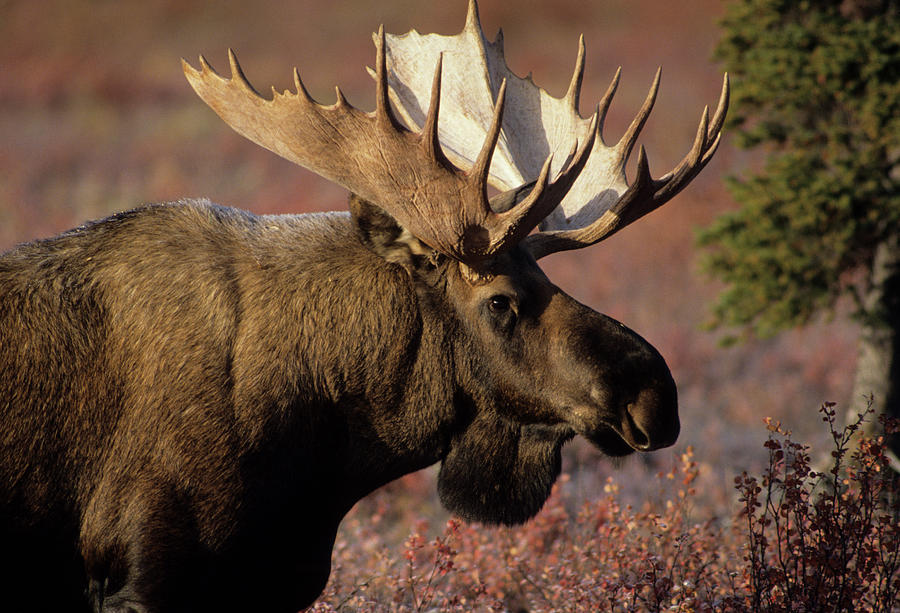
<point>795,543</point>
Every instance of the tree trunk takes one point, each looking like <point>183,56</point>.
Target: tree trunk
<point>878,366</point>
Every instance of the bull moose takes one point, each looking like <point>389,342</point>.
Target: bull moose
<point>192,396</point>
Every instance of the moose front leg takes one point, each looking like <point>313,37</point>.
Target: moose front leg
<point>260,581</point>
<point>141,548</point>
<point>151,558</point>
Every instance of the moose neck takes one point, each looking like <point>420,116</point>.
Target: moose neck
<point>374,378</point>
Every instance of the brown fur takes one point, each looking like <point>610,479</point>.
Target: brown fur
<point>192,397</point>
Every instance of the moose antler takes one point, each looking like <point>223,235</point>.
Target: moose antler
<point>474,114</point>
<point>403,172</point>
<point>536,125</point>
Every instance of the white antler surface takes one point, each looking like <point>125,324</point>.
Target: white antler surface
<point>535,124</point>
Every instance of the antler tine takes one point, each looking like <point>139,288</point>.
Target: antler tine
<point>302,94</point>
<point>573,94</point>
<point>718,122</point>
<point>721,109</point>
<point>430,141</point>
<point>473,22</point>
<point>237,73</point>
<point>529,203</point>
<point>480,169</point>
<point>383,112</point>
<point>606,100</point>
<point>634,204</point>
<point>340,98</point>
<point>204,65</point>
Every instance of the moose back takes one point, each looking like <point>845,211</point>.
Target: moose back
<point>192,396</point>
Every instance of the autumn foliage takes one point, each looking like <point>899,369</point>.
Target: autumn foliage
<point>825,541</point>
<point>799,540</point>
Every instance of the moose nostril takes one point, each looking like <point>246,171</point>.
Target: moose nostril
<point>650,422</point>
<point>636,435</point>
<point>634,431</point>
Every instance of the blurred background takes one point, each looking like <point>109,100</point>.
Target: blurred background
<point>96,117</point>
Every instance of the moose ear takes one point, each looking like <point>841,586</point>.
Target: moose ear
<point>382,234</point>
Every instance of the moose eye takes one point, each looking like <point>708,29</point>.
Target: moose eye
<point>498,303</point>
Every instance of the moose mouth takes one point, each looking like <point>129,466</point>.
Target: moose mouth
<point>610,442</point>
<point>611,439</point>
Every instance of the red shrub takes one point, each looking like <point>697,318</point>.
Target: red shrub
<point>823,541</point>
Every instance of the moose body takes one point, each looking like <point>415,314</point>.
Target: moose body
<point>193,397</point>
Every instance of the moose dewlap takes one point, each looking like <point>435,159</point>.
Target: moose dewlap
<point>192,396</point>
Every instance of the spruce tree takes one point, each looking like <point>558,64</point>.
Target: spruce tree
<point>817,89</point>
